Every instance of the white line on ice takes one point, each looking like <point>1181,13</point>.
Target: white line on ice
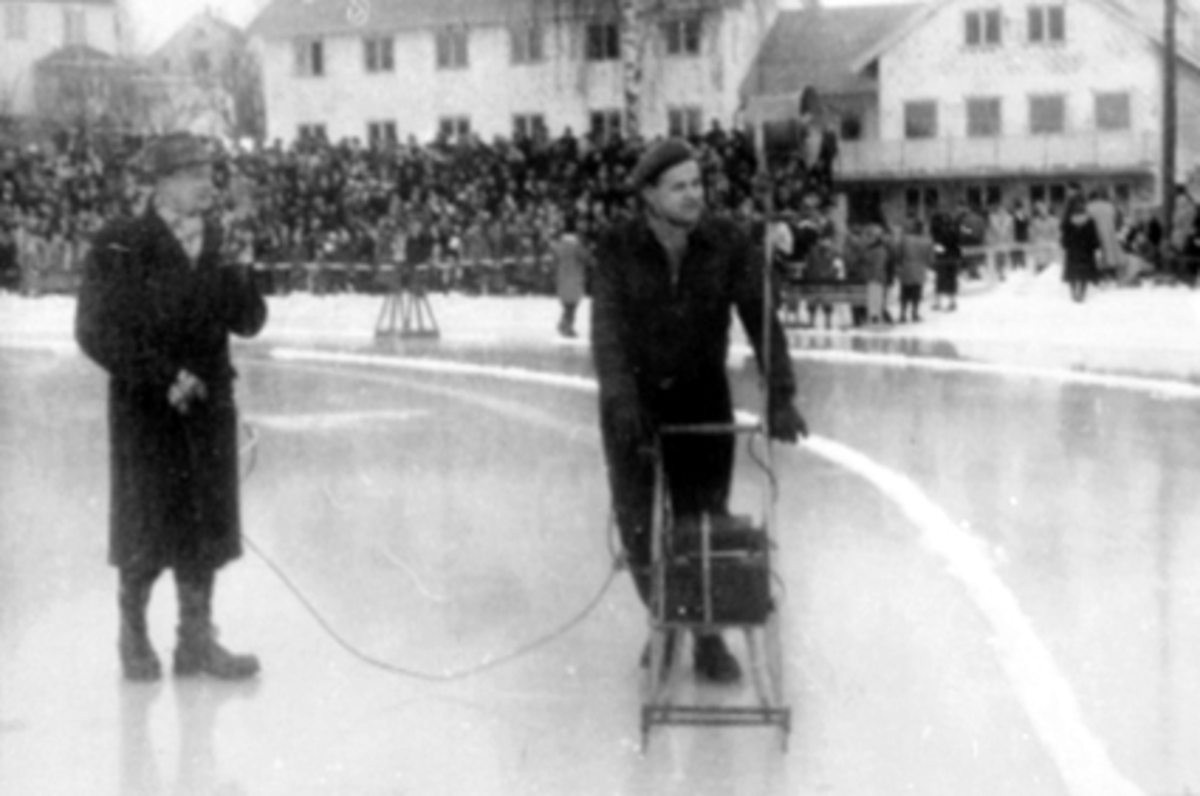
<point>1163,387</point>
<point>331,421</point>
<point>1044,692</point>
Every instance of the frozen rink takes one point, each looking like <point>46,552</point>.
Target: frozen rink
<point>990,562</point>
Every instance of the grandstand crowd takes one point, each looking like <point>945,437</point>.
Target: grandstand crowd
<point>482,217</point>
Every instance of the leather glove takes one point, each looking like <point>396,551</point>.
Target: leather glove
<point>786,424</point>
<point>632,427</point>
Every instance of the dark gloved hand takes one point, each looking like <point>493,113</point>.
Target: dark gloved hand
<point>786,424</point>
<point>631,425</point>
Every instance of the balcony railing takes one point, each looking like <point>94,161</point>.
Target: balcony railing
<point>934,157</point>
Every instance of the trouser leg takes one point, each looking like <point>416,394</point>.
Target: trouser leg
<point>566,325</point>
<point>631,483</point>
<point>139,662</point>
<point>197,651</point>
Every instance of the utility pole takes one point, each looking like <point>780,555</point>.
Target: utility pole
<point>633,40</point>
<point>1169,119</point>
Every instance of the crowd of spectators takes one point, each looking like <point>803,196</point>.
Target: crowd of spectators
<point>462,203</point>
<point>480,216</point>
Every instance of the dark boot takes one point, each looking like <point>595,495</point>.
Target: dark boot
<point>139,662</point>
<point>668,655</point>
<point>713,661</point>
<point>198,651</point>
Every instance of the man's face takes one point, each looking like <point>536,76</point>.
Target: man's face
<point>189,191</point>
<point>678,196</point>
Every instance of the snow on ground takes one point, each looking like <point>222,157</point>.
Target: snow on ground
<point>1023,320</point>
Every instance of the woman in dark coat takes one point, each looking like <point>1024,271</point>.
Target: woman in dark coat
<point>1081,243</point>
<point>155,311</point>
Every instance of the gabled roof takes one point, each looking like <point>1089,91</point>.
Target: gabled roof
<point>201,20</point>
<point>289,18</point>
<point>112,3</point>
<point>820,46</point>
<point>76,56</point>
<point>1118,9</point>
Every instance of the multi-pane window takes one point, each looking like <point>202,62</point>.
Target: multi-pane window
<point>1047,114</point>
<point>982,27</point>
<point>605,124</point>
<point>529,125</point>
<point>1051,194</point>
<point>850,125</point>
<point>311,132</point>
<point>451,127</point>
<point>983,117</point>
<point>603,41</point>
<point>1113,111</point>
<point>379,54</point>
<point>920,119</point>
<point>981,196</point>
<point>452,48</point>
<point>74,26</point>
<point>527,43</point>
<point>920,202</point>
<point>381,134</point>
<point>310,57</point>
<point>1047,23</point>
<point>685,121</point>
<point>16,22</point>
<point>682,35</point>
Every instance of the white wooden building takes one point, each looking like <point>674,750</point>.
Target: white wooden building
<point>382,68</point>
<point>31,30</point>
<point>991,100</point>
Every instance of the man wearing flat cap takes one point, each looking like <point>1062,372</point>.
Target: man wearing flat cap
<point>666,284</point>
<point>155,311</point>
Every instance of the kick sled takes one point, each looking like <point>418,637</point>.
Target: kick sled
<point>713,574</point>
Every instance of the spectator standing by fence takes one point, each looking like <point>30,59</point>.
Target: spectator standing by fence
<point>916,258</point>
<point>1045,234</point>
<point>1081,247</point>
<point>571,259</point>
<point>1107,220</point>
<point>947,240</point>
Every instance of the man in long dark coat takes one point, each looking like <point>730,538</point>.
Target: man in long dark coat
<point>665,284</point>
<point>156,308</point>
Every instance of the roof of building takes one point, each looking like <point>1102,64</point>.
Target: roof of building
<point>819,46</point>
<point>289,18</point>
<point>1119,10</point>
<point>112,3</point>
<point>79,56</point>
<point>184,36</point>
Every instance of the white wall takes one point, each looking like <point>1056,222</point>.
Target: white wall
<point>935,64</point>
<point>45,34</point>
<point>564,88</point>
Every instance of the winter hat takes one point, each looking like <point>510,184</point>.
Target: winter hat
<point>172,153</point>
<point>658,159</point>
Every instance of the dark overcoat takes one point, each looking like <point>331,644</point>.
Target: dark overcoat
<point>145,312</point>
<point>1080,243</point>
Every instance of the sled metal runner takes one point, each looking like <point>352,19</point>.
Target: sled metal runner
<point>712,575</point>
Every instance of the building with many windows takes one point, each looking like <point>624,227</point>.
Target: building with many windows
<point>34,30</point>
<point>385,69</point>
<point>985,101</point>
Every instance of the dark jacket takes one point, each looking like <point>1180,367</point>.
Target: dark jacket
<point>144,313</point>
<point>1080,243</point>
<point>651,337</point>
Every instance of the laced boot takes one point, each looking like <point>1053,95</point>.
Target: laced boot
<point>713,661</point>
<point>139,662</point>
<point>197,651</point>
